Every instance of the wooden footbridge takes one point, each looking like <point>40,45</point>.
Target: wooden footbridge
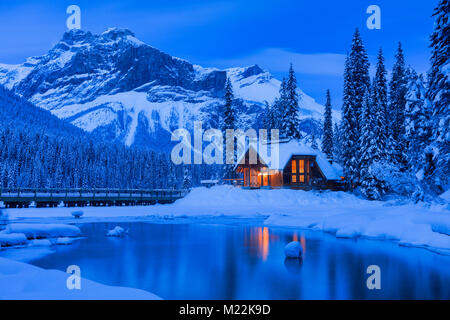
<point>42,198</point>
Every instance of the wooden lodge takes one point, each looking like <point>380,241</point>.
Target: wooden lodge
<point>298,166</point>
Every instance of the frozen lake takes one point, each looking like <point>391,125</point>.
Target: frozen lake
<point>231,261</point>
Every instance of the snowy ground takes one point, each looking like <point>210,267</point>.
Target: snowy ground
<point>339,213</point>
<point>23,281</point>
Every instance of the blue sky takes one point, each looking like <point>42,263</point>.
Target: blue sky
<point>314,35</point>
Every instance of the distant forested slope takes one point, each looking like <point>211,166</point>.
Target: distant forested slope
<point>38,150</point>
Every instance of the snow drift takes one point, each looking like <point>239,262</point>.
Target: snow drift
<point>39,231</point>
<point>23,281</point>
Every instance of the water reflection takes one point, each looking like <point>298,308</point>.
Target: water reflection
<point>302,241</point>
<point>257,239</point>
<point>293,265</point>
<point>239,262</point>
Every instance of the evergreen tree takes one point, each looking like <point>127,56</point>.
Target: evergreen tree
<point>359,77</point>
<point>314,141</point>
<point>187,179</point>
<point>396,116</point>
<point>348,129</point>
<point>368,147</point>
<point>382,137</point>
<point>439,96</point>
<point>337,143</point>
<point>229,122</point>
<point>356,82</point>
<point>229,113</point>
<point>371,188</point>
<point>327,138</point>
<point>289,97</point>
<point>270,117</point>
<point>278,109</point>
<point>417,123</point>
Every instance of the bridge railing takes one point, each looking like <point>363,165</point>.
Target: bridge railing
<point>79,192</point>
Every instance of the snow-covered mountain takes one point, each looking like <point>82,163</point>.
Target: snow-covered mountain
<point>114,85</point>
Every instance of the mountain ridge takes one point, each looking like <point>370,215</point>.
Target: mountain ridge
<point>117,86</point>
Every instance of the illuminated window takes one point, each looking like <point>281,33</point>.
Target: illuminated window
<point>294,178</point>
<point>301,166</point>
<point>265,179</point>
<point>302,178</point>
<point>294,166</point>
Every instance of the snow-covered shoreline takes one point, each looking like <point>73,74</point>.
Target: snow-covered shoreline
<point>340,213</point>
<point>21,281</point>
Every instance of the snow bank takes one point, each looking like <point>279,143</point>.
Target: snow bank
<point>293,250</point>
<point>40,243</point>
<point>12,239</point>
<point>77,214</point>
<point>117,232</point>
<point>35,234</point>
<point>339,213</point>
<point>3,219</point>
<point>23,281</point>
<point>446,196</point>
<point>64,241</point>
<point>38,231</point>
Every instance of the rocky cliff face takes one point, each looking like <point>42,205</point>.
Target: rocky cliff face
<point>116,86</point>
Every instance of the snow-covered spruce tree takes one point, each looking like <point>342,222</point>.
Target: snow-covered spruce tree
<point>229,122</point>
<point>267,121</point>
<point>187,179</point>
<point>291,123</point>
<point>337,143</point>
<point>350,144</point>
<point>229,115</point>
<point>359,77</point>
<point>417,121</point>
<point>271,117</point>
<point>367,147</point>
<point>417,127</point>
<point>439,95</point>
<point>356,81</point>
<point>397,103</point>
<point>371,187</point>
<point>280,105</point>
<point>327,138</point>
<point>382,137</point>
<point>314,144</point>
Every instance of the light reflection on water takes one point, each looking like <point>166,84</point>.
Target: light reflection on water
<point>196,261</point>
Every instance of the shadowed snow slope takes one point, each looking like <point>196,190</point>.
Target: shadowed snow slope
<point>339,213</point>
<point>23,281</point>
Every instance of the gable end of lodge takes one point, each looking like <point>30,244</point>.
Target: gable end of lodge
<point>299,167</point>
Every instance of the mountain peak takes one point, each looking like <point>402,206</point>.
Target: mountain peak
<point>252,71</point>
<point>117,33</point>
<point>76,35</point>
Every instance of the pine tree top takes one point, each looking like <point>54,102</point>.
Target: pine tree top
<point>328,103</point>
<point>380,76</point>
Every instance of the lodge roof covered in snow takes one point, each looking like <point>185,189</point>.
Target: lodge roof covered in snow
<point>289,149</point>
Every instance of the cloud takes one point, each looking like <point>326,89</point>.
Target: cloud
<point>277,60</point>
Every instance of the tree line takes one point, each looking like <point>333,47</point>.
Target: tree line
<point>394,135</point>
<point>38,150</point>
